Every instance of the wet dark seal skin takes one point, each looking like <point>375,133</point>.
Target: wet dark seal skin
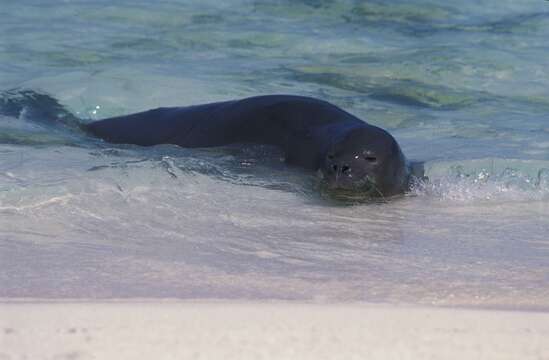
<point>313,134</point>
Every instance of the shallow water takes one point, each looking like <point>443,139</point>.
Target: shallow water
<point>463,87</point>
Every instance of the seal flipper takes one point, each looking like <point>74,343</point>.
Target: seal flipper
<point>40,108</point>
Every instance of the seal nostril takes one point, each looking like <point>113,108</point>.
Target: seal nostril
<point>345,169</point>
<point>334,167</point>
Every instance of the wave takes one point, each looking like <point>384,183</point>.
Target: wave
<point>489,179</point>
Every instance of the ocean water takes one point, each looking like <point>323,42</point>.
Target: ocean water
<point>463,86</point>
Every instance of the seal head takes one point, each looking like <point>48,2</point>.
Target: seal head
<point>366,159</point>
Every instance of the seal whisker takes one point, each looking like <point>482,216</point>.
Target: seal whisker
<point>380,193</point>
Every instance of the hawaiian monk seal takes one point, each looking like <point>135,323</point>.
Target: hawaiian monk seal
<point>349,153</point>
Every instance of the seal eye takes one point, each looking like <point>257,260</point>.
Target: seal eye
<point>369,157</point>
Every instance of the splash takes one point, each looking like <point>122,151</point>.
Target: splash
<point>486,180</point>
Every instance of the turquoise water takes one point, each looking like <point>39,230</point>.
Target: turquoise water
<point>462,86</point>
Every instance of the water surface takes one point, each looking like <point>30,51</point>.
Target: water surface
<point>463,87</point>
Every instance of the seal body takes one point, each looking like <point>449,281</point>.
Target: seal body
<point>313,134</point>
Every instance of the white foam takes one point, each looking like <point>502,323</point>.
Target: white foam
<point>486,180</point>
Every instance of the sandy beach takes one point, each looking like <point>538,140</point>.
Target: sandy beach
<point>189,330</point>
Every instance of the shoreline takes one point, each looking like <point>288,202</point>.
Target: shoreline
<point>242,330</point>
<point>497,307</point>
